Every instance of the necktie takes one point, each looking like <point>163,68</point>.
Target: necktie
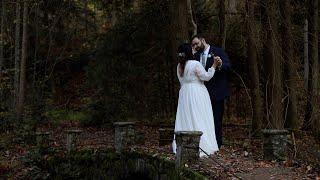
<point>203,60</point>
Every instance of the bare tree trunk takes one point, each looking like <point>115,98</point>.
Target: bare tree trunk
<point>256,98</point>
<point>222,23</point>
<point>114,13</point>
<point>178,35</point>
<point>20,106</point>
<point>314,84</point>
<point>86,17</point>
<point>273,66</point>
<point>289,67</point>
<point>193,27</point>
<point>2,36</point>
<point>305,54</point>
<point>123,6</point>
<point>136,5</point>
<point>233,6</point>
<point>36,44</point>
<point>17,54</point>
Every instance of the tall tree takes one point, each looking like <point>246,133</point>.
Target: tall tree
<point>289,66</point>
<point>2,33</point>
<point>222,23</point>
<point>233,6</point>
<point>17,53</point>
<point>305,54</point>
<point>272,65</point>
<point>256,98</point>
<point>114,13</point>
<point>22,85</point>
<point>86,17</point>
<point>313,104</point>
<point>193,25</point>
<point>137,5</point>
<point>178,34</point>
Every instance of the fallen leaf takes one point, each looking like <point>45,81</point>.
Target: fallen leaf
<point>246,153</point>
<point>309,168</point>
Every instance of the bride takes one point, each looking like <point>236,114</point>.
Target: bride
<point>194,112</point>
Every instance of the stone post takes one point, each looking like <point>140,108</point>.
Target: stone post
<point>187,146</point>
<point>124,135</point>
<point>72,136</point>
<point>275,143</point>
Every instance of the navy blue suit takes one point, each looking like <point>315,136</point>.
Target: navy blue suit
<point>218,87</point>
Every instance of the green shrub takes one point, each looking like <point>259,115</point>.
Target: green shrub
<point>59,115</point>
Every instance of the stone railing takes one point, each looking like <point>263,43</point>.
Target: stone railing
<point>187,141</point>
<point>129,161</point>
<point>107,164</point>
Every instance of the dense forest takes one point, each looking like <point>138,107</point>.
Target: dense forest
<point>95,62</point>
<point>117,59</point>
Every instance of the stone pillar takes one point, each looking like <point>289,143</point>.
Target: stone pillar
<point>275,143</point>
<point>165,136</point>
<point>72,136</point>
<point>187,146</point>
<point>124,135</point>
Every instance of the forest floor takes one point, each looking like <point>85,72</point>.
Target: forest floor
<point>240,157</point>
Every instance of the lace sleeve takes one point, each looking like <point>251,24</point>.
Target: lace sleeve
<point>203,74</point>
<point>178,73</point>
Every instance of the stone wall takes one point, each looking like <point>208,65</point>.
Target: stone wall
<point>107,164</point>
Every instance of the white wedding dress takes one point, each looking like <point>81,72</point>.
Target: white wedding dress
<point>194,112</point>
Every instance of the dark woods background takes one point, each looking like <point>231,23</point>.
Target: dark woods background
<point>100,61</point>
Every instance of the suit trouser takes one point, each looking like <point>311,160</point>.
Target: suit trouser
<point>218,108</point>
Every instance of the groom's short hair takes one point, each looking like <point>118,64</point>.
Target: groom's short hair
<point>199,36</point>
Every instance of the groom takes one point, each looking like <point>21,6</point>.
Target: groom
<point>218,85</point>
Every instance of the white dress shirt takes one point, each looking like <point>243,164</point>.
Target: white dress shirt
<point>204,56</point>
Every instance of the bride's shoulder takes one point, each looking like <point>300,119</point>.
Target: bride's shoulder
<point>191,62</point>
<point>194,62</point>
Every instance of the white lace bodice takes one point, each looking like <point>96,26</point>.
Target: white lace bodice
<point>194,72</point>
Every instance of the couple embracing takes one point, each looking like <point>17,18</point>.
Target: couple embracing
<point>202,73</point>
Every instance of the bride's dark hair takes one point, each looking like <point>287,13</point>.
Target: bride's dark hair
<point>184,54</point>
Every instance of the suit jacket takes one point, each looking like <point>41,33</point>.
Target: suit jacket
<point>217,86</point>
